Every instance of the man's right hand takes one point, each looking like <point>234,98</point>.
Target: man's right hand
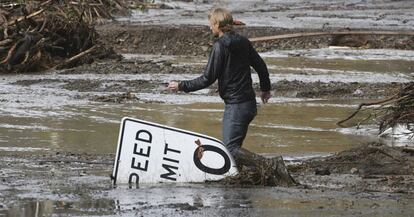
<point>265,96</point>
<point>173,86</point>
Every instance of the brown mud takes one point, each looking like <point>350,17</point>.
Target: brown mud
<point>197,40</point>
<point>283,88</point>
<point>371,179</point>
<point>367,172</point>
<point>376,166</point>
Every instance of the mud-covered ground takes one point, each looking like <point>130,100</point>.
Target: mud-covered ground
<point>117,89</point>
<point>374,167</point>
<point>370,180</point>
<point>197,40</point>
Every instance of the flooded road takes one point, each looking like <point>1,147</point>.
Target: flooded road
<point>58,134</point>
<point>211,200</point>
<point>294,14</point>
<point>285,128</point>
<point>44,111</point>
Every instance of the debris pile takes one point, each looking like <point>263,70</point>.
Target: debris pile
<point>401,109</point>
<point>255,169</point>
<point>39,35</point>
<point>367,160</point>
<point>397,110</point>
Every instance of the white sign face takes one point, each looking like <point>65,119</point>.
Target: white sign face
<point>151,153</point>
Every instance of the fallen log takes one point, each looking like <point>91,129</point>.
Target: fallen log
<point>308,34</point>
<point>75,58</point>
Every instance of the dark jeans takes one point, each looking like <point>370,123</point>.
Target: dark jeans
<point>236,120</point>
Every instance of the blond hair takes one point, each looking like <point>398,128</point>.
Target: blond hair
<point>222,17</point>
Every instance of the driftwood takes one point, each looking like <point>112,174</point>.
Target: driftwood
<point>39,35</point>
<point>308,34</point>
<point>75,58</point>
<point>389,112</point>
<point>360,106</point>
<point>14,22</point>
<point>255,169</point>
<point>74,161</point>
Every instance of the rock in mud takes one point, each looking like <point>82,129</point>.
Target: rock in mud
<point>322,171</point>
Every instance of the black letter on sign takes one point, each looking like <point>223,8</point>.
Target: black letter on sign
<point>166,149</point>
<point>170,172</point>
<point>138,166</point>
<point>149,140</point>
<point>141,151</point>
<point>131,177</point>
<point>204,168</point>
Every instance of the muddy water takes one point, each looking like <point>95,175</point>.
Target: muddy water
<point>201,200</point>
<point>39,112</point>
<point>286,128</point>
<point>43,114</point>
<point>316,14</point>
<point>40,116</point>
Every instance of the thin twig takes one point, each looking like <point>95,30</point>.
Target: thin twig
<point>11,23</point>
<point>365,104</point>
<point>74,161</point>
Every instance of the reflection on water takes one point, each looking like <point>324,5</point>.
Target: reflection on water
<point>216,200</point>
<point>47,118</point>
<point>290,128</point>
<point>53,208</point>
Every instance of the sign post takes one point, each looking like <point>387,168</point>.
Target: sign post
<point>151,153</point>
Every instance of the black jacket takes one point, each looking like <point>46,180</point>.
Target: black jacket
<point>230,61</point>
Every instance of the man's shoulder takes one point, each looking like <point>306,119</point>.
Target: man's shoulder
<point>232,38</point>
<point>218,45</point>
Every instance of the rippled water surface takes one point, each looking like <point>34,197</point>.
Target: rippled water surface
<point>45,118</point>
<point>285,128</point>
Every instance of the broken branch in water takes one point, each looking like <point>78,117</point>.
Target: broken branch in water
<point>380,102</point>
<point>397,109</point>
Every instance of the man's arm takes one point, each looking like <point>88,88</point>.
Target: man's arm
<point>210,75</point>
<point>260,66</point>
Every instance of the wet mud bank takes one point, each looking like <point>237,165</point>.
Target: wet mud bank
<point>60,177</point>
<point>119,81</point>
<point>196,40</point>
<point>78,183</point>
<point>371,167</point>
<point>79,109</point>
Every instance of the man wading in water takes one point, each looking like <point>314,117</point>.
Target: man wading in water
<point>230,61</point>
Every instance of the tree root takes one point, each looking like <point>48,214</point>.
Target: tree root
<point>257,170</point>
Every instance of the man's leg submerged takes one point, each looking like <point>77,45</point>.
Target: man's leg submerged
<point>236,120</point>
